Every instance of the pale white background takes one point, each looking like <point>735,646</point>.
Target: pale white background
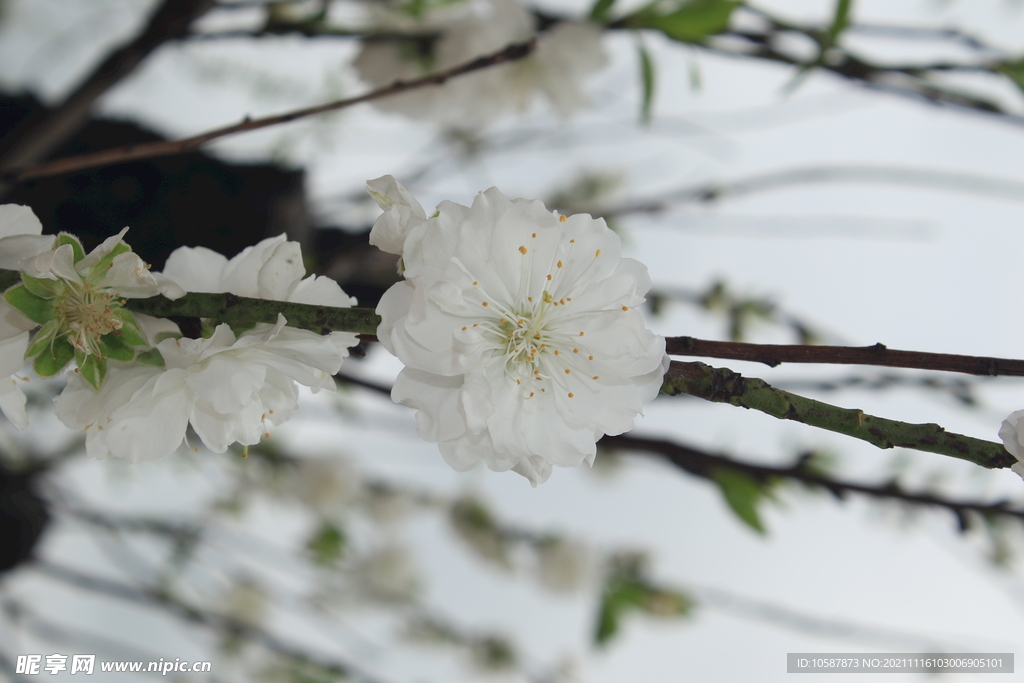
<point>915,267</point>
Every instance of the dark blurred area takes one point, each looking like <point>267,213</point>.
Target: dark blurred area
<point>188,199</point>
<point>23,517</point>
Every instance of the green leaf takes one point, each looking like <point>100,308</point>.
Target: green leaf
<point>327,544</point>
<point>113,346</point>
<point>76,246</point>
<point>94,369</point>
<point>97,272</point>
<point>152,357</point>
<point>35,308</point>
<point>690,23</point>
<point>43,338</point>
<point>42,287</point>
<point>743,494</point>
<point>599,12</point>
<point>623,595</point>
<point>647,79</point>
<point>53,359</point>
<point>1015,70</point>
<point>130,333</point>
<point>608,618</point>
<point>839,21</point>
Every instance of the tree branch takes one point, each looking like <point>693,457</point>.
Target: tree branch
<point>776,354</point>
<point>124,153</point>
<point>37,139</point>
<point>703,464</point>
<point>230,308</point>
<point>721,385</point>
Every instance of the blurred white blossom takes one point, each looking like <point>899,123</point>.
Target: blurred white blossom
<point>562,565</point>
<point>520,333</point>
<point>327,486</point>
<point>389,574</point>
<point>565,55</point>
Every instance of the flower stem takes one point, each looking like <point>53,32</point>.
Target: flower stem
<point>722,385</point>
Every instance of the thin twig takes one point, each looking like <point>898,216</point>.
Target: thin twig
<point>149,150</point>
<point>34,140</point>
<point>878,354</point>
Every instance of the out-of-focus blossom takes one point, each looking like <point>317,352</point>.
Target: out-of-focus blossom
<point>565,55</point>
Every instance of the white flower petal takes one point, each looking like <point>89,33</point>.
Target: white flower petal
<point>401,213</point>
<point>1011,431</point>
<point>197,268</point>
<point>519,334</point>
<point>12,402</point>
<point>18,220</point>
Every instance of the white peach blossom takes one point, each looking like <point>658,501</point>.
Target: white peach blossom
<point>521,335</point>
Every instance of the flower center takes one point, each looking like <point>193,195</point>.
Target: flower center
<point>87,314</point>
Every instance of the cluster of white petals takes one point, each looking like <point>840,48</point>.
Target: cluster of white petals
<point>20,238</point>
<point>126,275</point>
<point>1012,434</point>
<point>564,56</point>
<point>401,213</point>
<point>228,386</point>
<point>521,334</point>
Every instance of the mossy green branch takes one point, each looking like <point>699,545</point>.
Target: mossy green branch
<point>725,386</point>
<point>230,308</point>
<point>241,310</point>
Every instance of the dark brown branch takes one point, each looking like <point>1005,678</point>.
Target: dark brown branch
<point>171,20</point>
<point>124,153</point>
<point>879,354</point>
<point>704,465</point>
